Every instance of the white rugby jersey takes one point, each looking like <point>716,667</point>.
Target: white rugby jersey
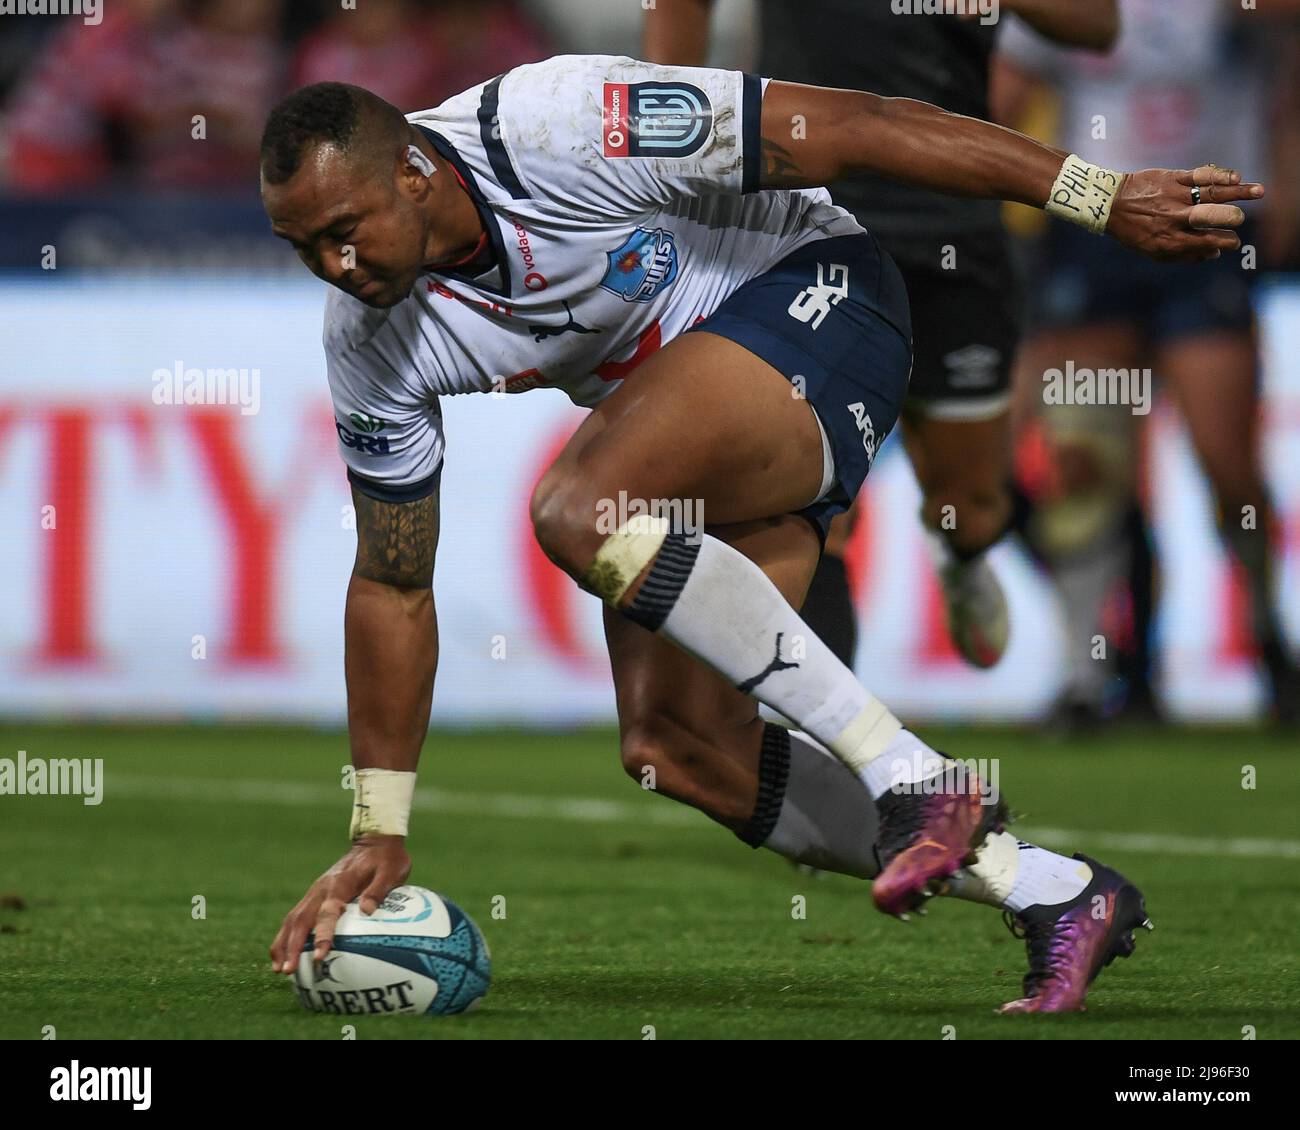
<point>621,201</point>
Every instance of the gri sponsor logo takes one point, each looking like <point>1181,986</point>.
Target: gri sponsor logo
<point>102,1084</point>
<point>365,423</point>
<point>364,438</point>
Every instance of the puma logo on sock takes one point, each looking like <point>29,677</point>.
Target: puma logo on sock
<point>776,665</point>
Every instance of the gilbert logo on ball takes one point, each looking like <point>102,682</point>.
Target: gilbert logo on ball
<point>417,954</point>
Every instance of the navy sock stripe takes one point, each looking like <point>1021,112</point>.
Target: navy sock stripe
<point>773,775</point>
<point>664,583</point>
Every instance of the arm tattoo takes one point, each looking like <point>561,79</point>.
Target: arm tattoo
<point>396,541</point>
<point>779,169</point>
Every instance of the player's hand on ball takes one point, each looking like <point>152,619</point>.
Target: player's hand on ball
<point>372,867</point>
<point>1155,213</point>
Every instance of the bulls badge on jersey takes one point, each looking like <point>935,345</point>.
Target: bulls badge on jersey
<point>642,265</point>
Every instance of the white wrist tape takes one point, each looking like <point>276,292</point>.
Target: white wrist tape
<point>1083,194</point>
<point>382,804</point>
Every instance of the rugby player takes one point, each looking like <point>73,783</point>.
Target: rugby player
<point>953,255</point>
<point>1195,326</point>
<point>677,208</point>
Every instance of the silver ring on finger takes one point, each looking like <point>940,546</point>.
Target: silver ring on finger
<point>1196,195</point>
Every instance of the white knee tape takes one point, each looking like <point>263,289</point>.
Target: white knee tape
<point>623,557</point>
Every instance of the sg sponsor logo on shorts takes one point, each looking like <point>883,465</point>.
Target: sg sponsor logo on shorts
<point>813,303</point>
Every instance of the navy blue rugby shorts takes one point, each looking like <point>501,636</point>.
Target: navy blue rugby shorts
<point>832,316</point>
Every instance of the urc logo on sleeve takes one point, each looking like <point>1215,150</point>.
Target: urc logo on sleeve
<point>655,119</point>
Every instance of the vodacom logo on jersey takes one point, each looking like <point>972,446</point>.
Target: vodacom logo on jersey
<point>534,279</point>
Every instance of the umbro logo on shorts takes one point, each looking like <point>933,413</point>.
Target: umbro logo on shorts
<point>973,366</point>
<point>813,303</point>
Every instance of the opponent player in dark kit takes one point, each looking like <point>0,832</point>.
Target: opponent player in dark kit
<point>952,252</point>
<point>673,206</point>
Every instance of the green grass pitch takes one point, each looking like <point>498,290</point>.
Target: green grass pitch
<point>624,911</point>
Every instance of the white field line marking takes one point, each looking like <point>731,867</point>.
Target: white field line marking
<point>590,810</point>
<point>587,810</point>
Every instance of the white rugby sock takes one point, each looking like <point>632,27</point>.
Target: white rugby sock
<point>811,808</point>
<point>1013,875</point>
<point>715,603</point>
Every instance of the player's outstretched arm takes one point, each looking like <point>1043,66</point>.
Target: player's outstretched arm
<point>815,135</point>
<point>391,654</point>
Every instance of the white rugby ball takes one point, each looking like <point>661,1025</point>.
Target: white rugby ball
<point>418,954</point>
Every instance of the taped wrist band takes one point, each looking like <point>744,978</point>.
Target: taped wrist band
<point>1083,194</point>
<point>382,802</point>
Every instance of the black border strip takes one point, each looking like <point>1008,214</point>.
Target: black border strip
<point>751,132</point>
<point>411,492</point>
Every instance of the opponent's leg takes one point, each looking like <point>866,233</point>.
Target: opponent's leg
<point>1215,379</point>
<point>964,469</point>
<point>1081,528</point>
<point>689,734</point>
<point>957,423</point>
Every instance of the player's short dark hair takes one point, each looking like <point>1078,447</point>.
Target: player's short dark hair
<point>350,118</point>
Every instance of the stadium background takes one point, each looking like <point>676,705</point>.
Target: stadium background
<point>195,559</point>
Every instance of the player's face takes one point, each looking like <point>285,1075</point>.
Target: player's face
<point>358,232</point>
